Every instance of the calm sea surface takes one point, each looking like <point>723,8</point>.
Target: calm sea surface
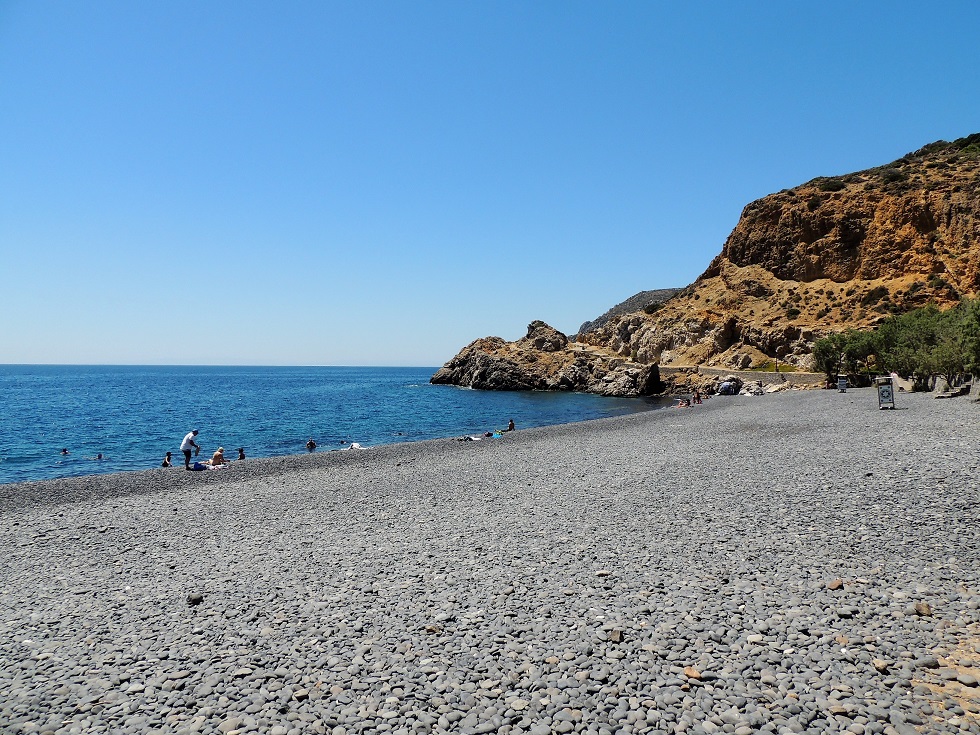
<point>134,414</point>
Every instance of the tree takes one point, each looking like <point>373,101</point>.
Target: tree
<point>829,354</point>
<point>968,322</point>
<point>926,342</point>
<point>860,350</point>
<point>919,345</point>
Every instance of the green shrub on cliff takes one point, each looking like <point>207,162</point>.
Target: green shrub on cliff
<point>831,185</point>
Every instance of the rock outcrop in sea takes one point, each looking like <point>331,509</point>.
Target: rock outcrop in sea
<point>544,359</point>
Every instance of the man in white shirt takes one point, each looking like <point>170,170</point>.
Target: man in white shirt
<point>185,447</point>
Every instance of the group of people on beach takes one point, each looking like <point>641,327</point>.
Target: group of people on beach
<point>688,402</point>
<point>488,434</point>
<point>312,445</point>
<point>190,447</point>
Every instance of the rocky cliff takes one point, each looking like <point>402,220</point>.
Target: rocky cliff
<point>831,254</point>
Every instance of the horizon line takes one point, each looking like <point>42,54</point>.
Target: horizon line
<point>193,365</point>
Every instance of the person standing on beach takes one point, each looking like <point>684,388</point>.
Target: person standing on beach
<point>185,447</point>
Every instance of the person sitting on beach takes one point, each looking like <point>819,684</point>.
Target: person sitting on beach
<point>167,461</point>
<point>697,396</point>
<point>218,458</point>
<point>510,425</point>
<point>241,452</point>
<point>311,445</point>
<point>683,403</point>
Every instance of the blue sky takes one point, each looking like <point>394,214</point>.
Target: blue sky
<point>379,183</point>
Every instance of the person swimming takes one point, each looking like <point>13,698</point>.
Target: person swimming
<point>167,461</point>
<point>311,445</point>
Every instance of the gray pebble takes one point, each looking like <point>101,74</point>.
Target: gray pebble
<point>683,579</point>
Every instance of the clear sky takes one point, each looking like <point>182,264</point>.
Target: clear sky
<point>381,182</point>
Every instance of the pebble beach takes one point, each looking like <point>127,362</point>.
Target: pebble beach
<point>800,562</point>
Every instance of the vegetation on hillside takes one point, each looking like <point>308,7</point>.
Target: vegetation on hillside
<point>917,345</point>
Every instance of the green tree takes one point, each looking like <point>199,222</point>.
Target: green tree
<point>829,354</point>
<point>919,345</point>
<point>860,351</point>
<point>903,344</point>
<point>927,342</point>
<point>968,321</point>
<point>844,353</point>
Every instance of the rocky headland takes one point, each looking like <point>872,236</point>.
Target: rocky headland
<point>831,254</point>
<point>544,359</point>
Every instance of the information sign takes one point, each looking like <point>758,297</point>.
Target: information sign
<point>886,393</point>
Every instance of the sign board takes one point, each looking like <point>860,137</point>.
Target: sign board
<point>886,393</point>
<point>842,384</point>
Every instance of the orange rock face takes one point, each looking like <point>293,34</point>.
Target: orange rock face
<point>828,255</point>
<point>831,254</point>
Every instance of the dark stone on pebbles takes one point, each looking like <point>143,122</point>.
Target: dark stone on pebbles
<point>922,609</point>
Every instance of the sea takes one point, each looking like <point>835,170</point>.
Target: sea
<point>133,415</point>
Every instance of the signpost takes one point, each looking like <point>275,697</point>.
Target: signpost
<point>886,392</point>
<point>841,384</point>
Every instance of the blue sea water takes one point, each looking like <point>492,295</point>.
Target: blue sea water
<point>134,414</point>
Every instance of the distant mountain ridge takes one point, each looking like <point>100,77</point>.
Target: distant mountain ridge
<point>637,302</point>
<point>833,253</point>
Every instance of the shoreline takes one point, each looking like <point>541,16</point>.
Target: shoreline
<point>413,411</point>
<point>159,479</point>
<point>795,562</point>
